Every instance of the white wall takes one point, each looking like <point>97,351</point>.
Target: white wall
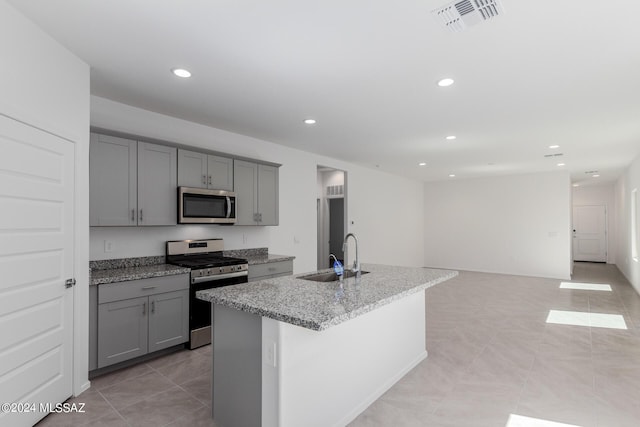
<point>385,236</point>
<point>629,181</point>
<point>604,194</point>
<point>46,86</point>
<point>517,224</point>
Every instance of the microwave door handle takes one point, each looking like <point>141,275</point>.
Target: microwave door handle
<point>228,207</point>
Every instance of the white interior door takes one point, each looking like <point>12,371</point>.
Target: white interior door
<point>36,257</point>
<point>590,233</point>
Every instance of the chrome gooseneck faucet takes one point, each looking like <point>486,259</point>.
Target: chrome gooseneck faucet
<point>356,263</point>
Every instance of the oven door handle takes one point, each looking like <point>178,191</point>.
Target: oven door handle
<point>195,280</point>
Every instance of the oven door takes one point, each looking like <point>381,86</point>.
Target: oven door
<point>203,206</point>
<point>200,311</point>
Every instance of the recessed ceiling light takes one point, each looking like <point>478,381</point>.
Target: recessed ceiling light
<point>422,164</point>
<point>450,137</point>
<point>310,121</point>
<point>181,72</point>
<point>452,175</point>
<point>445,82</point>
<point>595,175</point>
<point>560,164</point>
<point>576,185</point>
<point>553,147</point>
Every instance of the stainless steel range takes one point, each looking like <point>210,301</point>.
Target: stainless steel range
<point>209,269</point>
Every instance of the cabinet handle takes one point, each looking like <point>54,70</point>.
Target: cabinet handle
<point>259,217</point>
<point>153,306</point>
<point>144,308</point>
<point>133,215</point>
<point>204,179</point>
<point>146,288</point>
<point>209,179</point>
<point>140,215</point>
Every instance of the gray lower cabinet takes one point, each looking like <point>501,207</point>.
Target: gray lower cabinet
<point>122,330</point>
<point>131,182</point>
<point>141,316</point>
<point>256,188</point>
<point>270,270</point>
<point>201,170</point>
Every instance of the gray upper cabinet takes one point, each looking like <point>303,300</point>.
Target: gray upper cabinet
<point>267,195</point>
<point>256,188</point>
<point>157,183</point>
<point>131,182</point>
<point>113,180</point>
<point>202,170</point>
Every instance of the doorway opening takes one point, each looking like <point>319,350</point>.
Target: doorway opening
<point>331,214</point>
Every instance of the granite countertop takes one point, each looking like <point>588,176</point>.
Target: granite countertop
<point>265,259</point>
<point>113,275</point>
<point>124,269</point>
<point>257,255</point>
<point>318,305</point>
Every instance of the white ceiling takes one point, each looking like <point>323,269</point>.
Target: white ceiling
<point>546,72</point>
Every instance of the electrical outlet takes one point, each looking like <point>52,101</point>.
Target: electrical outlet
<point>108,246</point>
<point>270,353</point>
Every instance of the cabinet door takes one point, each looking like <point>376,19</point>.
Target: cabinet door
<point>270,270</point>
<point>112,181</point>
<point>192,169</point>
<point>220,173</point>
<point>245,175</point>
<point>157,184</point>
<point>122,330</point>
<point>168,319</point>
<point>268,195</point>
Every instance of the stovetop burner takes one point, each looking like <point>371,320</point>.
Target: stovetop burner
<point>209,261</point>
<point>205,258</point>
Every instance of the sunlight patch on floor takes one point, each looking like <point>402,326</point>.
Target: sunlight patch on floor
<point>585,286</point>
<point>579,318</point>
<point>521,421</point>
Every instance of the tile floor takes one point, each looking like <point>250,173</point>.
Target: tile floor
<point>172,391</point>
<point>491,354</point>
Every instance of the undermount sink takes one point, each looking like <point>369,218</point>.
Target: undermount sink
<point>329,276</point>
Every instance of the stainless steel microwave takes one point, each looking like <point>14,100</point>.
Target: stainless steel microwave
<point>203,206</point>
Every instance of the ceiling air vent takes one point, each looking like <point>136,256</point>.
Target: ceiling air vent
<point>459,15</point>
<point>554,155</point>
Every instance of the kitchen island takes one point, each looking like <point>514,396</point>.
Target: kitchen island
<point>292,352</point>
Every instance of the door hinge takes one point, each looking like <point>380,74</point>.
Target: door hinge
<point>69,283</point>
